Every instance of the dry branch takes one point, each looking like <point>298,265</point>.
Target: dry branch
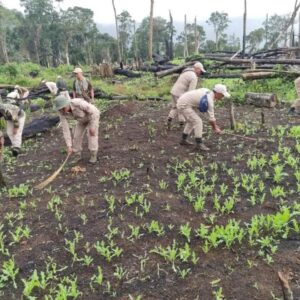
<point>161,74</point>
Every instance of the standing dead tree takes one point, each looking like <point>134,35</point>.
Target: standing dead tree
<point>185,49</point>
<point>150,33</point>
<point>117,32</point>
<point>244,28</point>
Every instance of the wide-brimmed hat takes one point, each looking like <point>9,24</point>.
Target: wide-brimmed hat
<point>61,102</point>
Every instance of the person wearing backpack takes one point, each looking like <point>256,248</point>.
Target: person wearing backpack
<point>203,100</point>
<point>187,81</point>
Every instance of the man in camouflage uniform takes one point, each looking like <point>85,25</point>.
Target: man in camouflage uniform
<point>190,101</point>
<point>87,117</point>
<point>187,81</point>
<point>15,120</point>
<point>82,87</point>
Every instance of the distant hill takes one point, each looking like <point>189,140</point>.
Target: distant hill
<point>235,27</point>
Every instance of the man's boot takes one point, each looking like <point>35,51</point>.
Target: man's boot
<point>200,146</point>
<point>184,141</point>
<point>15,151</point>
<point>93,158</point>
<point>77,158</point>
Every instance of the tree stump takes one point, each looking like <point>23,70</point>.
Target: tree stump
<point>261,99</point>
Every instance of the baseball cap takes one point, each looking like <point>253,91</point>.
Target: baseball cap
<point>77,70</point>
<point>221,88</point>
<point>198,65</point>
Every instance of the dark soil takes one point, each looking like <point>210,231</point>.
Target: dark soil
<point>133,135</point>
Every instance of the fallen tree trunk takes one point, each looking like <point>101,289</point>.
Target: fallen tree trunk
<point>223,75</point>
<point>127,73</point>
<point>39,125</point>
<point>174,69</point>
<point>255,60</point>
<point>261,99</point>
<point>258,75</point>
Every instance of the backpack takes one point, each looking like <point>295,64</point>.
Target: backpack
<point>203,104</point>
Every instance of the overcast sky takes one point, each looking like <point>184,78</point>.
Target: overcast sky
<point>103,11</point>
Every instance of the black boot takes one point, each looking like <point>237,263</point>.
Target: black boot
<point>200,145</point>
<point>184,141</point>
<point>15,151</point>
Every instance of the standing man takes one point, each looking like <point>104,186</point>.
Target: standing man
<point>187,81</point>
<point>82,87</point>
<point>87,116</point>
<point>203,99</point>
<point>15,120</point>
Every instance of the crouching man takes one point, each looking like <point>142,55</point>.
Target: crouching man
<point>87,117</point>
<point>15,120</point>
<point>202,99</point>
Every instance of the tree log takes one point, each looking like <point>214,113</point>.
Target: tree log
<point>255,60</point>
<point>261,99</point>
<point>174,70</point>
<point>258,75</point>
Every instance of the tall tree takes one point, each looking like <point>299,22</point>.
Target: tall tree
<point>220,22</point>
<point>38,16</point>
<point>185,49</point>
<point>170,51</point>
<point>244,27</point>
<point>117,30</point>
<point>8,22</point>
<point>150,34</point>
<point>273,25</point>
<point>254,40</point>
<point>195,38</point>
<point>125,32</point>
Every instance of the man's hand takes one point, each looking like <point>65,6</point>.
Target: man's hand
<point>1,141</point>
<point>70,150</point>
<point>92,131</point>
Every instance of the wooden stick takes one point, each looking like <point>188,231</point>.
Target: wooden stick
<point>241,136</point>
<point>52,177</point>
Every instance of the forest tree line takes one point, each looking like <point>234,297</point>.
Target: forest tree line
<point>48,35</point>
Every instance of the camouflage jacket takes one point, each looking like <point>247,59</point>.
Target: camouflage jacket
<point>11,113</point>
